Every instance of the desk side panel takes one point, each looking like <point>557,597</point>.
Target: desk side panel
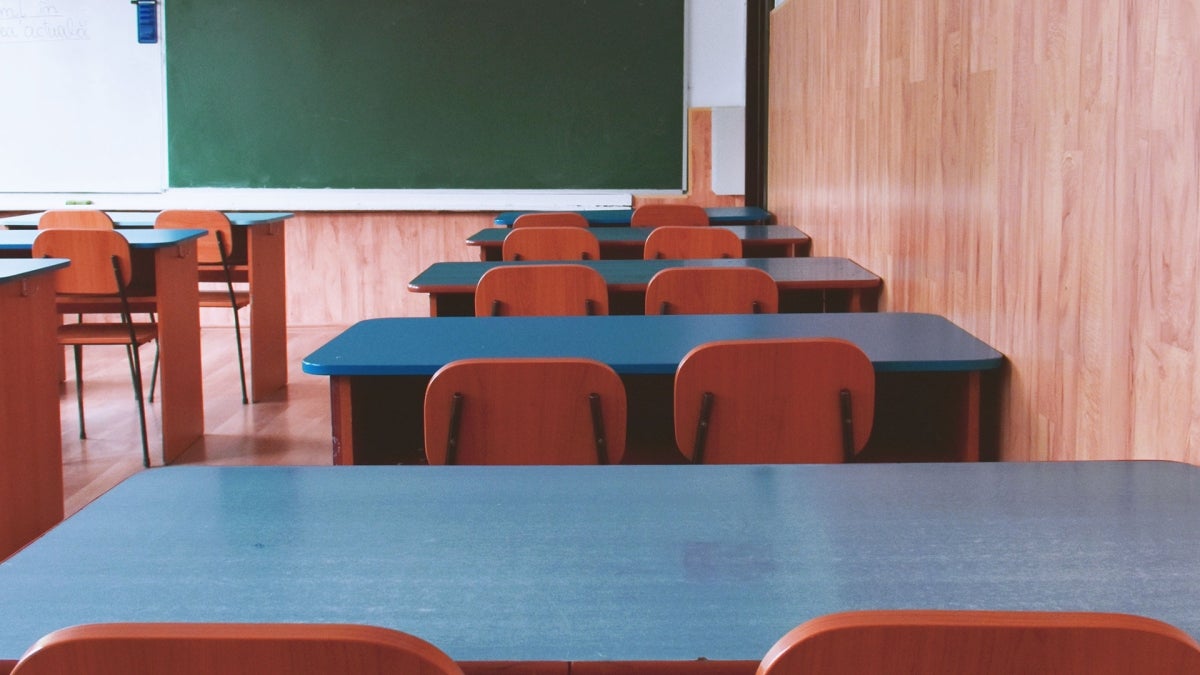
<point>31,483</point>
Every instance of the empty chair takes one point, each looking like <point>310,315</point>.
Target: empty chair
<point>100,270</point>
<point>667,215</point>
<point>692,242</point>
<point>541,290</point>
<point>712,290</point>
<point>74,219</point>
<point>232,649</point>
<point>550,243</point>
<point>774,401</point>
<point>525,411</point>
<point>214,251</point>
<point>933,642</point>
<point>551,219</point>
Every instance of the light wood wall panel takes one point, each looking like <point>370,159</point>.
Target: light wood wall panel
<point>1028,168</point>
<point>348,266</point>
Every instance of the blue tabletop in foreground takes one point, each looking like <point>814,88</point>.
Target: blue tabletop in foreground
<point>894,341</point>
<point>612,563</point>
<point>22,240</point>
<point>730,215</point>
<point>146,218</point>
<point>12,269</point>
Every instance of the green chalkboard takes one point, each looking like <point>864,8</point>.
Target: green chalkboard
<point>425,94</point>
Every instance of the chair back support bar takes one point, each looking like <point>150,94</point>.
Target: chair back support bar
<point>551,219</point>
<point>667,215</point>
<point>675,242</point>
<point>712,290</point>
<point>525,411</point>
<point>550,243</point>
<point>798,400</point>
<point>541,290</point>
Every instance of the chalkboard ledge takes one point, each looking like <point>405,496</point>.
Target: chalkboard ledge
<point>230,199</point>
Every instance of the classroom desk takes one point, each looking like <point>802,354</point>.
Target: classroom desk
<point>928,384</point>
<point>758,241</point>
<point>805,284</point>
<point>31,482</point>
<point>164,260</point>
<point>603,565</point>
<point>259,237</point>
<point>720,215</point>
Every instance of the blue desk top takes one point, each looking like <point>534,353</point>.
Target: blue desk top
<point>744,215</point>
<point>894,341</point>
<point>494,236</point>
<point>787,272</point>
<point>146,218</point>
<point>12,269</point>
<point>22,240</point>
<point>612,563</point>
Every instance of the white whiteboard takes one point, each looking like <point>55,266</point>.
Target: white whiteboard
<point>83,104</point>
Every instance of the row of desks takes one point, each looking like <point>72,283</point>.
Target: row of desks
<point>579,565</point>
<point>804,283</point>
<point>167,259</point>
<point>929,371</point>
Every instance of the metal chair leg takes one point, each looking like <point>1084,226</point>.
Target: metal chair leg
<point>78,351</point>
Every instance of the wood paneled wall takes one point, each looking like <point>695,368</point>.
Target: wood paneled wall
<point>1028,168</point>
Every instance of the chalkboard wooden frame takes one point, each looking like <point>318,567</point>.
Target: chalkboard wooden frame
<point>426,94</point>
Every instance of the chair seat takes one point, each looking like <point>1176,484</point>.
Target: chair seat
<point>239,274</point>
<point>221,299</point>
<point>104,333</point>
<point>90,304</point>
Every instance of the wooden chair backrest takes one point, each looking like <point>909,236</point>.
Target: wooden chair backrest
<point>75,219</point>
<point>775,401</point>
<point>667,215</point>
<point>964,642</point>
<point>525,411</point>
<point>90,253</point>
<point>550,243</point>
<point>674,242</point>
<point>232,649</point>
<point>207,247</point>
<point>712,290</point>
<point>551,219</point>
<point>541,290</point>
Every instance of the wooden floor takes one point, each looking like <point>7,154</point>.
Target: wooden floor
<point>291,428</point>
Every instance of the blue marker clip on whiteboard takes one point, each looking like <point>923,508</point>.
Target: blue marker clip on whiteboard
<point>147,21</point>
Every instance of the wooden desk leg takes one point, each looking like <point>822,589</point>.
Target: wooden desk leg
<point>855,300</point>
<point>969,427</point>
<point>180,380</point>
<point>341,417</point>
<point>31,469</point>
<point>268,309</point>
<point>433,305</point>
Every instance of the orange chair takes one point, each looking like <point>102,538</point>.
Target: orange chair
<point>232,649</point>
<point>712,290</point>
<point>675,242</point>
<point>551,219</point>
<point>774,401</point>
<point>100,272</point>
<point>541,290</point>
<point>525,411</point>
<point>214,252</point>
<point>666,215</point>
<point>70,219</point>
<point>947,642</point>
<point>550,243</point>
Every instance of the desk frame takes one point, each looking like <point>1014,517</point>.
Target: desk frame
<point>31,473</point>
